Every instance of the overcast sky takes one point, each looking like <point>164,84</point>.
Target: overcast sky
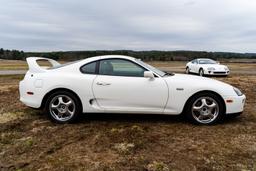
<point>54,25</point>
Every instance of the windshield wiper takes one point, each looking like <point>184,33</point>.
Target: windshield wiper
<point>168,73</point>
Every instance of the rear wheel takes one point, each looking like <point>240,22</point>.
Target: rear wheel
<point>63,107</point>
<point>187,70</point>
<point>205,108</point>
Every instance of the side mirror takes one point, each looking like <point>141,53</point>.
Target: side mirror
<point>149,74</point>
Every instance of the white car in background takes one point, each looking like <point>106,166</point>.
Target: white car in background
<point>122,84</point>
<point>203,66</point>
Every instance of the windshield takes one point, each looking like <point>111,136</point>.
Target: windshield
<point>207,61</point>
<point>159,72</point>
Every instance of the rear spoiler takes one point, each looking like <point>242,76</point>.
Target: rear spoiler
<point>35,68</point>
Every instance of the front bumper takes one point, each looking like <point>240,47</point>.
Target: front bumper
<point>215,72</point>
<point>234,104</point>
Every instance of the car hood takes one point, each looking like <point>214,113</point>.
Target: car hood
<point>197,83</point>
<point>213,65</point>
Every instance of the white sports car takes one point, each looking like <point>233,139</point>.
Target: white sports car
<point>122,84</point>
<point>204,66</point>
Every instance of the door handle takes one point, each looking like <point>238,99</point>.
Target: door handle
<point>103,84</point>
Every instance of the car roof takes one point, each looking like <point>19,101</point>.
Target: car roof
<point>95,58</point>
<point>204,59</point>
<point>116,56</point>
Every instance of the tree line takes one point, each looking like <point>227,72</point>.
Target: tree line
<point>144,55</point>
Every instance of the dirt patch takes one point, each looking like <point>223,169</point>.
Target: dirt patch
<point>29,141</point>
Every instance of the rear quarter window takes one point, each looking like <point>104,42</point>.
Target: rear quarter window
<point>89,68</point>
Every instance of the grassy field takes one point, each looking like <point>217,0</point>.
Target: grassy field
<point>169,65</point>
<point>19,65</point>
<point>12,64</point>
<point>179,66</point>
<point>29,141</point>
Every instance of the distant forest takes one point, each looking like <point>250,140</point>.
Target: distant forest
<point>144,55</point>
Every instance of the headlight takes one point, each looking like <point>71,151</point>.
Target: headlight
<point>211,69</point>
<point>238,92</point>
<point>226,68</point>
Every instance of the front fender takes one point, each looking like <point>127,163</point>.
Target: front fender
<point>182,87</point>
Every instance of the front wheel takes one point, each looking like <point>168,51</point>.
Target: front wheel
<point>205,108</point>
<point>63,107</point>
<point>201,72</point>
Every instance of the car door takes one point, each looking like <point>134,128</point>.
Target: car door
<point>121,87</point>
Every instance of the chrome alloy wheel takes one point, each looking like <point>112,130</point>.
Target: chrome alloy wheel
<point>62,108</point>
<point>205,110</point>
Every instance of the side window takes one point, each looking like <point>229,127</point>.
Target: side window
<point>194,61</point>
<point>89,68</point>
<point>120,67</point>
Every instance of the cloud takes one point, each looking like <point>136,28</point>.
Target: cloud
<point>53,25</point>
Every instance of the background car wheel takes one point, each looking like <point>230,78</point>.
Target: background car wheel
<point>201,72</point>
<point>187,70</point>
<point>63,107</point>
<point>205,109</point>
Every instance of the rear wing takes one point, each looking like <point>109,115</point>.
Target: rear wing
<point>34,67</point>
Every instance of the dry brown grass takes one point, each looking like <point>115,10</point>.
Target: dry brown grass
<point>29,141</point>
<point>12,65</point>
<point>20,65</point>
<point>169,65</point>
<point>179,66</point>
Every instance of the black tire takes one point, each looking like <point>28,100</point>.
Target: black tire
<point>201,71</point>
<point>187,70</point>
<point>77,106</point>
<point>221,108</point>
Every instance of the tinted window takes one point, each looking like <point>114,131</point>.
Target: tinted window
<point>159,72</point>
<point>89,68</point>
<point>119,67</point>
<point>194,61</point>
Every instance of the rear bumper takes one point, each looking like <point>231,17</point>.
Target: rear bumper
<point>34,100</point>
<point>30,102</point>
<point>234,114</point>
